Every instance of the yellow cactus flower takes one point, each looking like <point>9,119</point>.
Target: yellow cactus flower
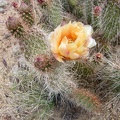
<point>71,41</point>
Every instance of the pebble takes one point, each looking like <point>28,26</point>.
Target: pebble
<point>2,10</point>
<point>3,3</point>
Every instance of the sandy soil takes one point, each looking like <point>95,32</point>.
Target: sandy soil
<point>7,60</point>
<point>6,40</point>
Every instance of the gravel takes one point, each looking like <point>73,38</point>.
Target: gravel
<point>3,3</point>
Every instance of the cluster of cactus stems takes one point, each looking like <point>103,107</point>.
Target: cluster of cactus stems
<point>43,78</point>
<point>25,12</point>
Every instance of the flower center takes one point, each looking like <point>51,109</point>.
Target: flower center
<point>70,40</point>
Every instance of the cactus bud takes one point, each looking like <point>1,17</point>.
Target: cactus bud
<point>97,10</point>
<point>24,8</point>
<point>44,62</point>
<point>15,5</point>
<point>26,14</point>
<point>44,2</point>
<point>98,57</point>
<point>41,1</point>
<point>12,23</point>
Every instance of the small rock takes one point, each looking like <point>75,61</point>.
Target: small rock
<point>3,3</point>
<point>2,10</point>
<point>4,62</point>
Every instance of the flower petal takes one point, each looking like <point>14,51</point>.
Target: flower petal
<point>77,27</point>
<point>91,43</point>
<point>74,55</point>
<point>58,57</point>
<point>51,36</point>
<point>65,30</point>
<point>55,39</point>
<point>63,47</point>
<point>71,46</point>
<point>88,30</point>
<point>80,49</point>
<point>81,39</point>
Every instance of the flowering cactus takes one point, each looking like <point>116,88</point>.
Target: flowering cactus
<point>79,83</point>
<point>71,41</point>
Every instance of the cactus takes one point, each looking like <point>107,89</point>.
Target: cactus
<point>73,7</point>
<point>26,14</point>
<point>14,25</point>
<point>28,2</point>
<point>110,22</point>
<point>31,100</point>
<point>53,11</point>
<point>110,76</point>
<point>87,99</point>
<point>88,11</point>
<point>82,69</point>
<point>33,45</point>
